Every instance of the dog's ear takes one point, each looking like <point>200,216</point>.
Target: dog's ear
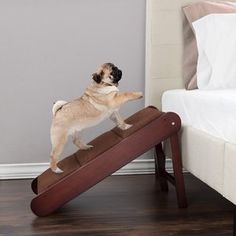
<point>97,78</point>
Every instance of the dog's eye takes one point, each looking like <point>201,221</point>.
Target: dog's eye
<point>110,77</point>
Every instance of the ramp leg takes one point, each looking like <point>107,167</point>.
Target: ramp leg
<point>178,174</point>
<point>160,167</point>
<point>234,226</point>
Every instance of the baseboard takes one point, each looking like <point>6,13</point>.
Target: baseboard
<point>31,170</point>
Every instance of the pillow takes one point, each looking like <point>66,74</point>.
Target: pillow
<point>194,12</point>
<point>216,42</point>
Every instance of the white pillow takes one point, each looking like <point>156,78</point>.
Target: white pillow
<point>216,42</point>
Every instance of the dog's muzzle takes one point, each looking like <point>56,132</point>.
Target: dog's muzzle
<point>117,74</point>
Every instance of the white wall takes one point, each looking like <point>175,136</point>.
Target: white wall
<point>164,48</point>
<point>48,51</point>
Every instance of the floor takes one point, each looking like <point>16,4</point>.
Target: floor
<point>120,205</point>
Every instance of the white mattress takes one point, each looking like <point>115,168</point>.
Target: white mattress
<point>212,111</point>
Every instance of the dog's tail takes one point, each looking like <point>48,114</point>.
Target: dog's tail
<point>57,106</point>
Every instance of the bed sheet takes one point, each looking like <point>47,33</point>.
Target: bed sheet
<point>212,111</point>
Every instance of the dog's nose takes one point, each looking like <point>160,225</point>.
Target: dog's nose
<point>119,74</point>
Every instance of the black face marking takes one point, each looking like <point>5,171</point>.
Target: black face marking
<point>116,73</point>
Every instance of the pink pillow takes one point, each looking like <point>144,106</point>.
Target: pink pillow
<point>194,12</point>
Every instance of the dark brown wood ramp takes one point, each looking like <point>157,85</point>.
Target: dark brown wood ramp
<point>112,150</point>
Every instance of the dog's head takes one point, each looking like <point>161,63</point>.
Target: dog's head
<point>108,73</point>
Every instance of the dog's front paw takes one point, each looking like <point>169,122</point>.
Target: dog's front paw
<point>85,147</point>
<point>139,94</point>
<point>125,126</point>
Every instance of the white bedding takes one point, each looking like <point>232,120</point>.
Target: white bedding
<point>212,111</point>
<point>216,36</point>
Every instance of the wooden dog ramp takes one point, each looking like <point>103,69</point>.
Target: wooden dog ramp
<point>112,150</point>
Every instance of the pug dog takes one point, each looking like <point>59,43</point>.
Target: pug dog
<point>100,100</point>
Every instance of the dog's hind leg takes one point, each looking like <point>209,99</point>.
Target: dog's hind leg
<point>79,143</point>
<point>58,139</point>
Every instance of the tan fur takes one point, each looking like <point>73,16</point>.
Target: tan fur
<point>99,101</point>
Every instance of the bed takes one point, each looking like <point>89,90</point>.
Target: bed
<point>208,137</point>
<point>207,105</point>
